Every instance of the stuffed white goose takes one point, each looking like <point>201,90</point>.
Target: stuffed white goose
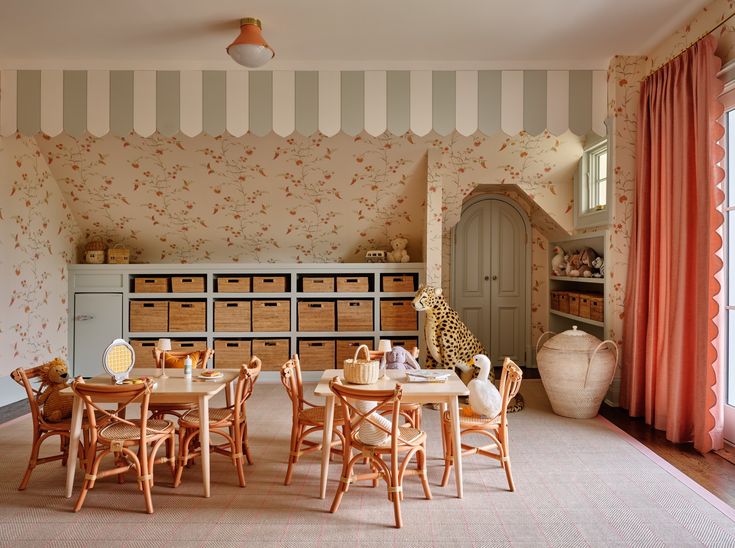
<point>484,398</point>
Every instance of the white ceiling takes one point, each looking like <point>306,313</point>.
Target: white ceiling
<point>338,34</point>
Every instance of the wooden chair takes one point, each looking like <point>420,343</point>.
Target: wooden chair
<point>306,418</point>
<point>118,435</point>
<point>160,410</point>
<point>42,429</point>
<point>494,428</point>
<point>229,422</point>
<point>409,411</point>
<point>403,440</point>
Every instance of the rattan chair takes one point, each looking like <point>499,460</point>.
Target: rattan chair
<point>229,422</point>
<point>160,410</point>
<point>404,440</point>
<point>409,411</point>
<point>306,419</point>
<point>42,429</point>
<point>118,435</point>
<point>494,428</point>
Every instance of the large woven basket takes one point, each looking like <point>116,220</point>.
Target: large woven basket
<point>576,369</point>
<point>361,371</point>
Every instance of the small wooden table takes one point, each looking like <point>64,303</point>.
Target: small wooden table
<point>174,389</point>
<point>444,393</point>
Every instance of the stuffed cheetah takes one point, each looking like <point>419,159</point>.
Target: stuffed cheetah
<point>449,341</point>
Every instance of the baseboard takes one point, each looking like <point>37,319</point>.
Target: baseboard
<point>13,410</point>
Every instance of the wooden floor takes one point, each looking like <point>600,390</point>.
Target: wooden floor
<point>711,471</point>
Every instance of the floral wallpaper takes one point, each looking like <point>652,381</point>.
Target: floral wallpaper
<point>296,199</point>
<point>38,238</point>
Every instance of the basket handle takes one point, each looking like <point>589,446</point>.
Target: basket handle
<point>607,343</point>
<point>367,352</point>
<point>538,342</point>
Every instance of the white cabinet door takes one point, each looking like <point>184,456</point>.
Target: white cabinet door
<point>97,322</point>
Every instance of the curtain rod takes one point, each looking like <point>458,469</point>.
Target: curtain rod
<point>710,31</point>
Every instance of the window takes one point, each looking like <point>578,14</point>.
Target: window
<point>596,178</point>
<point>591,187</point>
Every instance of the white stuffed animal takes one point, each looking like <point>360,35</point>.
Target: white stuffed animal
<point>599,265</point>
<point>558,262</point>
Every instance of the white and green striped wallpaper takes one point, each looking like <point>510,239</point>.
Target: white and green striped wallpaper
<point>284,102</point>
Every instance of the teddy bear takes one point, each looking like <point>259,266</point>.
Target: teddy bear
<point>558,262</point>
<point>56,407</point>
<point>586,258</point>
<point>573,264</point>
<point>398,253</point>
<point>401,359</point>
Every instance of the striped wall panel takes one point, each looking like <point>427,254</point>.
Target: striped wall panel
<point>283,102</point>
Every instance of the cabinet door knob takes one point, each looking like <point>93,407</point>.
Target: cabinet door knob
<point>487,278</point>
<point>83,318</point>
<point>495,277</point>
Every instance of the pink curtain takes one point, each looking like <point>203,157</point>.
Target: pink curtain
<point>671,358</point>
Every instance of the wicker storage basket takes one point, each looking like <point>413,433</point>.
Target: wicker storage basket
<point>144,356</point>
<point>564,302</point>
<point>269,284</point>
<point>361,371</point>
<point>187,316</point>
<point>353,284</point>
<point>187,284</point>
<point>231,353</point>
<point>574,299</point>
<point>398,283</point>
<point>316,315</point>
<point>318,284</point>
<point>235,284</point>
<point>232,316</point>
<point>576,369</point>
<point>150,285</point>
<point>316,355</point>
<point>118,255</point>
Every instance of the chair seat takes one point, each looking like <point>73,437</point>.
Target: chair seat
<point>172,406</point>
<point>315,415</point>
<point>470,421</point>
<point>407,437</point>
<point>216,414</point>
<point>120,431</point>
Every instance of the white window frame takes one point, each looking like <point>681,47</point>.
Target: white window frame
<point>728,211</point>
<point>584,216</point>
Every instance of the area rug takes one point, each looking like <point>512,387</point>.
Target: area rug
<point>578,483</point>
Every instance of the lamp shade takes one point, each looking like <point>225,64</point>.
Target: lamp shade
<point>250,48</point>
<point>164,344</point>
<point>384,345</point>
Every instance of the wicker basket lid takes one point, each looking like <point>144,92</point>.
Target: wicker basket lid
<point>572,340</point>
<point>95,245</point>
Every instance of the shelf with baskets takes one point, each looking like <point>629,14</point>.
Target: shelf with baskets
<point>271,310</point>
<point>578,300</point>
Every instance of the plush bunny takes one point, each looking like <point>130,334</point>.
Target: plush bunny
<point>398,253</point>
<point>400,358</point>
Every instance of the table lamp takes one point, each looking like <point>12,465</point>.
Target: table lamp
<point>384,346</point>
<point>164,345</point>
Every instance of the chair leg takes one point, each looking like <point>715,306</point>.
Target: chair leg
<point>292,458</point>
<point>183,459</point>
<point>93,465</point>
<point>144,475</point>
<point>245,445</point>
<point>31,464</point>
<point>421,465</point>
<point>64,443</point>
<point>347,467</point>
<point>505,452</point>
<point>395,489</point>
<point>448,452</point>
<point>237,451</point>
<point>171,454</point>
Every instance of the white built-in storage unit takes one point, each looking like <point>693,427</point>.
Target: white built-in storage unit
<point>561,319</point>
<point>321,311</point>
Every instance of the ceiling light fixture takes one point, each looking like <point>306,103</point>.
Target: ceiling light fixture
<point>250,48</point>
